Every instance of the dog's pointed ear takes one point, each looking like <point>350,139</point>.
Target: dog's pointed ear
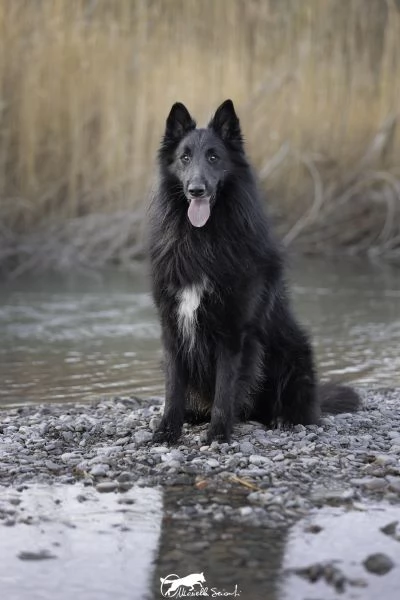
<point>226,123</point>
<point>179,122</point>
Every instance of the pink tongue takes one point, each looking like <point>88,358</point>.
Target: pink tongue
<point>199,212</point>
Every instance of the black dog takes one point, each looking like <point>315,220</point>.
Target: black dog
<point>233,349</point>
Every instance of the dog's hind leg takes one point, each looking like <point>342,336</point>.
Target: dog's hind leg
<point>293,375</point>
<point>289,391</point>
<point>298,400</point>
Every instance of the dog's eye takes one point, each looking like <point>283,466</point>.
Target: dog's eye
<point>212,158</point>
<point>185,158</point>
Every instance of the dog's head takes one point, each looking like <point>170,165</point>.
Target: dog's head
<point>201,159</point>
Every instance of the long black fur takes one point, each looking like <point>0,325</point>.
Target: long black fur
<point>249,359</point>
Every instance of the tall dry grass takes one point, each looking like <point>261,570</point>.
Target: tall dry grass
<point>85,86</point>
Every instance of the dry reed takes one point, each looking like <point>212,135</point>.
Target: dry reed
<point>85,86</point>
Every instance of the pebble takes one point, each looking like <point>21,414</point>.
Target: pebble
<point>39,555</point>
<point>245,511</point>
<point>52,466</point>
<point>258,460</point>
<point>99,470</point>
<point>379,564</point>
<point>246,448</point>
<point>107,486</point>
<point>370,483</point>
<point>141,436</point>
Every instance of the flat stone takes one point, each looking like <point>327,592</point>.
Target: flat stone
<point>278,457</point>
<point>142,437</point>
<point>394,486</point>
<point>258,459</point>
<point>245,511</point>
<point>370,483</point>
<point>332,497</point>
<point>99,470</point>
<point>124,477</point>
<point>107,486</point>
<point>39,555</point>
<point>390,528</point>
<point>52,466</point>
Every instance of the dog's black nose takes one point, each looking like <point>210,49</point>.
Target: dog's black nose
<point>197,190</point>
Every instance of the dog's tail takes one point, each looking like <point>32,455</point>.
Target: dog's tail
<point>335,399</point>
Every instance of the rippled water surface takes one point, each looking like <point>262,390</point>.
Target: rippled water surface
<point>75,337</point>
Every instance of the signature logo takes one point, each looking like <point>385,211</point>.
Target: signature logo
<point>191,586</point>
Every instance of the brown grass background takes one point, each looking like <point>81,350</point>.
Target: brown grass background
<point>85,87</point>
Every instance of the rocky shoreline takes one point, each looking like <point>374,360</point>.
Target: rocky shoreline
<point>264,476</point>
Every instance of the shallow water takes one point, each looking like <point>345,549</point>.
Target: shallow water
<point>75,338</point>
<point>103,549</point>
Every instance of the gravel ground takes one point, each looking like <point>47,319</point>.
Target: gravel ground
<point>264,476</point>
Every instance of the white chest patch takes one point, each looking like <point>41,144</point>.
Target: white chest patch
<point>189,299</point>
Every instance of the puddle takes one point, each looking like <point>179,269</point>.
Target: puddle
<point>346,539</point>
<point>103,549</point>
<point>107,550</point>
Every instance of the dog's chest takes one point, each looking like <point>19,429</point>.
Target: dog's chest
<point>189,299</point>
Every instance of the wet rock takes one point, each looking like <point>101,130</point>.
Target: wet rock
<point>107,486</point>
<point>371,483</point>
<point>125,477</point>
<point>390,528</point>
<point>332,497</point>
<point>39,555</point>
<point>379,564</point>
<point>314,528</point>
<point>126,500</point>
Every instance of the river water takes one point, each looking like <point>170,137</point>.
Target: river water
<point>77,338</point>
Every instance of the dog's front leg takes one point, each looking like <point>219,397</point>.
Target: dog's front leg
<point>171,424</point>
<point>222,412</point>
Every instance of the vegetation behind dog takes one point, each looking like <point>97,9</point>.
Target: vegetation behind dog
<point>85,87</point>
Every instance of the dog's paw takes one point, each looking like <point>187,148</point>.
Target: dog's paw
<point>166,433</point>
<point>218,432</point>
